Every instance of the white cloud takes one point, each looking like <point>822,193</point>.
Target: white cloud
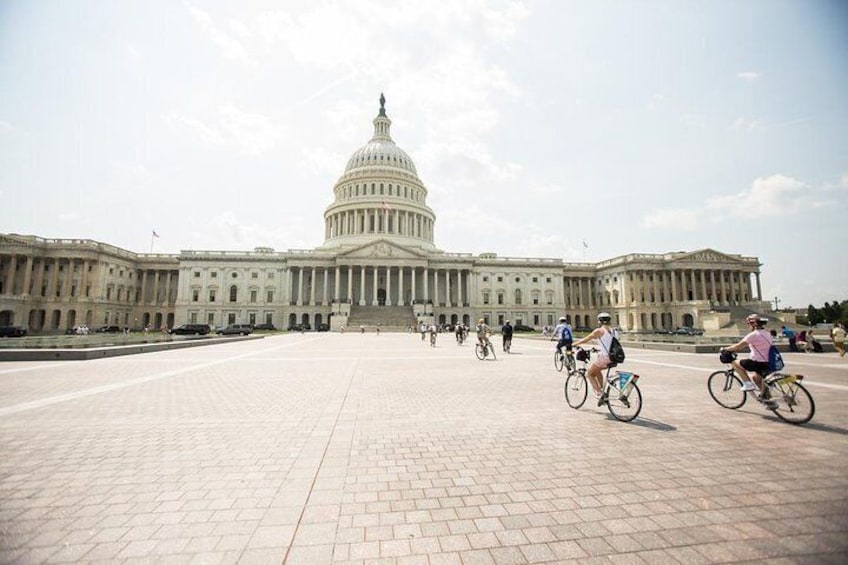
<point>251,134</point>
<point>231,48</point>
<point>546,189</point>
<point>678,219</point>
<point>208,135</point>
<point>749,76</point>
<point>770,196</point>
<point>748,125</point>
<point>693,120</point>
<point>5,127</point>
<point>546,245</point>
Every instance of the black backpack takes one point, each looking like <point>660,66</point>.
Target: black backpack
<point>616,352</point>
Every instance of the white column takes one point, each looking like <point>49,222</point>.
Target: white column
<point>324,301</point>
<point>300,286</point>
<point>459,287</point>
<point>400,300</point>
<point>362,286</point>
<point>436,286</point>
<point>336,284</point>
<point>414,288</point>
<point>426,284</point>
<point>374,284</point>
<point>350,283</point>
<point>388,286</point>
<point>447,288</point>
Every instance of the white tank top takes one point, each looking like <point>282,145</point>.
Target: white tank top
<point>606,342</point>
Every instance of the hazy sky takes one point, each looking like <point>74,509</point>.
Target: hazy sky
<point>637,126</point>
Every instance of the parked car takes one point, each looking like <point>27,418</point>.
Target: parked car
<point>109,330</point>
<point>688,331</point>
<point>265,327</point>
<point>323,327</point>
<point>12,331</point>
<point>523,328</point>
<point>190,329</point>
<point>300,328</point>
<point>236,329</point>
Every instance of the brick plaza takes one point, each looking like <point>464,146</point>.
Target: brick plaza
<point>329,448</point>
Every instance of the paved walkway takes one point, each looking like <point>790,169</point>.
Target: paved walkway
<point>327,448</point>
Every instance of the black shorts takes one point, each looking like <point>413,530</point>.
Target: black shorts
<point>565,343</point>
<point>759,367</point>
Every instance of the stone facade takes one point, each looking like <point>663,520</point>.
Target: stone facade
<point>378,253</point>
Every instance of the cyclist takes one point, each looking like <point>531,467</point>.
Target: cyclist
<point>563,335</point>
<point>483,332</point>
<point>604,334</point>
<point>432,330</point>
<point>506,336</point>
<point>460,333</point>
<point>758,341</point>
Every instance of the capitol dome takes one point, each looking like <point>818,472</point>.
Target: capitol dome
<point>379,196</point>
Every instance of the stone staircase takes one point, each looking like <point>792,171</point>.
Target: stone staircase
<point>388,318</point>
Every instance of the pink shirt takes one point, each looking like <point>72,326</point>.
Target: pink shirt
<point>759,342</point>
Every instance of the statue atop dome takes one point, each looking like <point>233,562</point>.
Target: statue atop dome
<point>382,105</point>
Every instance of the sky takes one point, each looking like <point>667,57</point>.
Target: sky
<point>639,126</point>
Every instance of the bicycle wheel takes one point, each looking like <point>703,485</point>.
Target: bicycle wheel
<point>478,351</point>
<point>726,389</point>
<point>558,361</point>
<point>576,389</point>
<point>624,408</point>
<point>570,364</point>
<point>794,403</point>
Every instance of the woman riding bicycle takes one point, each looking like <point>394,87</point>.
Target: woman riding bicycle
<point>483,332</point>
<point>604,334</point>
<point>758,341</point>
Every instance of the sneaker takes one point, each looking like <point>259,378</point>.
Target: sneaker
<point>749,386</point>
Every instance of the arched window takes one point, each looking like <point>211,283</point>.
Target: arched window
<point>234,293</point>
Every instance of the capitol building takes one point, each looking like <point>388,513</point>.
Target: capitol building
<point>378,265</point>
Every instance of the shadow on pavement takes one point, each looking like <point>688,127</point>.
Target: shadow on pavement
<point>648,423</point>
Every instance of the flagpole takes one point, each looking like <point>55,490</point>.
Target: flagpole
<point>151,242</point>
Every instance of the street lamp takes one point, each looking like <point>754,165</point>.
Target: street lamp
<point>776,304</point>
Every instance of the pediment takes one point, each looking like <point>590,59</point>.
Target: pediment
<point>381,249</point>
<point>706,256</point>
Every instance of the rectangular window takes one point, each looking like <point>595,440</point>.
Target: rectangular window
<point>195,295</point>
<point>500,279</point>
<point>270,297</point>
<point>254,275</point>
<point>109,293</point>
<point>251,318</point>
<point>197,274</point>
<point>535,319</point>
<point>211,296</point>
<point>535,301</point>
<point>535,279</point>
<point>213,274</point>
<point>500,319</point>
<point>269,318</point>
<point>270,275</point>
<point>231,318</point>
<point>550,299</point>
<point>485,279</point>
<point>500,298</point>
<point>485,298</point>
<point>253,296</point>
<point>548,279</point>
<point>210,318</point>
<point>192,318</point>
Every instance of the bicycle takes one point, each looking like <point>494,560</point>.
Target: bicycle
<point>621,394</point>
<point>432,339</point>
<point>564,360</point>
<point>460,338</point>
<point>483,352</point>
<point>783,394</point>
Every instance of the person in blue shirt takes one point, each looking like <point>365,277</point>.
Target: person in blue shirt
<point>563,335</point>
<point>789,334</point>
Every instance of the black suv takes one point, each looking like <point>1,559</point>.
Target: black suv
<point>190,329</point>
<point>236,329</point>
<point>12,331</point>
<point>109,330</point>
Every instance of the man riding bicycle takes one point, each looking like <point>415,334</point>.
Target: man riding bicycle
<point>758,341</point>
<point>563,335</point>
<point>483,332</point>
